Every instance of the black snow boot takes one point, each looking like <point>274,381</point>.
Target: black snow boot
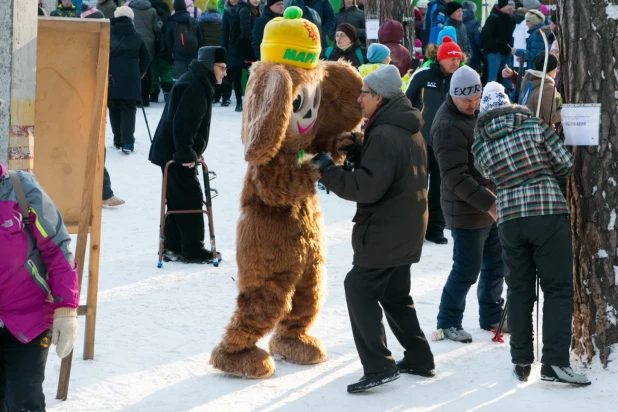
<point>171,256</point>
<point>522,372</point>
<point>563,375</point>
<point>203,256</point>
<point>239,105</point>
<point>154,97</point>
<point>226,102</point>
<point>427,372</point>
<point>371,380</point>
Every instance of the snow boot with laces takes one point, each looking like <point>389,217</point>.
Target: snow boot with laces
<point>457,335</point>
<point>563,374</point>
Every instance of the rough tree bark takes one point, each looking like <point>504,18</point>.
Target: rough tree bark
<point>400,10</point>
<point>588,51</point>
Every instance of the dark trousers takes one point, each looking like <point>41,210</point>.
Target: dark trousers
<point>181,67</point>
<point>474,251</point>
<point>435,222</point>
<point>539,245</point>
<point>122,117</point>
<point>365,290</point>
<point>22,371</point>
<point>223,90</point>
<point>234,74</point>
<point>184,233</point>
<point>107,182</point>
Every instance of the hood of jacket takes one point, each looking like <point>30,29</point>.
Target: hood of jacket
<point>122,25</point>
<point>140,4</point>
<point>390,32</point>
<point>352,8</point>
<point>397,112</point>
<point>535,76</point>
<point>181,16</point>
<point>455,23</point>
<point>210,17</point>
<point>501,121</point>
<point>468,15</point>
<point>539,27</point>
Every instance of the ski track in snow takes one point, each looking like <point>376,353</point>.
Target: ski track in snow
<point>156,327</point>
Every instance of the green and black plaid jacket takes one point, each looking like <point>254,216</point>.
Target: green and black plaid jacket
<point>523,155</point>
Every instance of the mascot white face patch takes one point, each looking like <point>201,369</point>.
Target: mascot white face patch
<point>305,108</point>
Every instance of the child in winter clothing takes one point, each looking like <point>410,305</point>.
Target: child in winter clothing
<point>39,294</point>
<point>378,56</point>
<point>523,156</point>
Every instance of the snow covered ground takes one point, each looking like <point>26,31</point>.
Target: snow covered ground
<point>156,327</point>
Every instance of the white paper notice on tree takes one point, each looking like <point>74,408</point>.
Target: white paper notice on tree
<point>580,123</point>
<point>371,29</point>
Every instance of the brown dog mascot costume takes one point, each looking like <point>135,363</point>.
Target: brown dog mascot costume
<point>295,104</point>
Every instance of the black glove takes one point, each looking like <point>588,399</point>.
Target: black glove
<point>353,152</point>
<point>323,161</point>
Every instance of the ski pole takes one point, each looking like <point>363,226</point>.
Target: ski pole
<point>147,126</point>
<point>498,333</point>
<point>537,316</point>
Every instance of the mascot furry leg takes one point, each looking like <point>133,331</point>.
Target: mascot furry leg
<point>295,104</point>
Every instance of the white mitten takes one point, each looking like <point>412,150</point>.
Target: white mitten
<point>64,330</point>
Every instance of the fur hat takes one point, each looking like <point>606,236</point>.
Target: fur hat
<point>291,40</point>
<point>124,11</point>
<point>376,53</point>
<point>535,17</point>
<point>210,55</point>
<point>539,62</point>
<point>448,49</point>
<point>493,96</point>
<point>348,30</point>
<point>385,81</point>
<point>452,7</point>
<point>179,5</point>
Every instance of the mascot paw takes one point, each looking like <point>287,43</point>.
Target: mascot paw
<point>303,350</point>
<point>254,363</point>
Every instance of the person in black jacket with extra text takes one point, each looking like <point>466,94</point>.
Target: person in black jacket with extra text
<point>273,8</point>
<point>427,92</point>
<point>128,61</point>
<point>389,184</point>
<point>182,136</point>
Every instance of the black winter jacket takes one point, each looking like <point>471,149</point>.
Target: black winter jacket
<point>258,31</point>
<point>128,60</point>
<point>146,22</point>
<point>210,24</point>
<point>465,195</point>
<point>350,54</point>
<point>498,32</point>
<point>356,18</point>
<point>389,185</point>
<point>184,128</point>
<point>427,92</point>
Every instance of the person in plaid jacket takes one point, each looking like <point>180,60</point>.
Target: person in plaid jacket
<point>523,155</point>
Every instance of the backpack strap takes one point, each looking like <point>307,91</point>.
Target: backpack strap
<point>328,52</point>
<point>21,196</point>
<point>359,55</point>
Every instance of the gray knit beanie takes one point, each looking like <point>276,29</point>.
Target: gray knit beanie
<point>465,83</point>
<point>385,81</point>
<point>531,4</point>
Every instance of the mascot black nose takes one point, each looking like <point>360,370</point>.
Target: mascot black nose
<point>308,115</point>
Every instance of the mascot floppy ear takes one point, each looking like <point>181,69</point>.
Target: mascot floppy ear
<point>339,111</point>
<point>266,113</point>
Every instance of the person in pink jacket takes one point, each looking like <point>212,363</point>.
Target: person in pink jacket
<point>38,292</point>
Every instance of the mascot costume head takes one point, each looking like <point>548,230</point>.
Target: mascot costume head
<point>296,105</point>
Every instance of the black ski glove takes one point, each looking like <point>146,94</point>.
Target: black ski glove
<point>323,161</point>
<point>353,152</point>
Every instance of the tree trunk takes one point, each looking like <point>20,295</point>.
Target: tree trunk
<point>588,50</point>
<point>400,10</point>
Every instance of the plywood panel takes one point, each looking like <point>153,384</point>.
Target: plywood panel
<point>67,55</point>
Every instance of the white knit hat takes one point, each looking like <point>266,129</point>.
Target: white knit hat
<point>124,11</point>
<point>493,96</point>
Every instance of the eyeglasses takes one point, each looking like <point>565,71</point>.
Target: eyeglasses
<point>224,68</point>
<point>364,92</point>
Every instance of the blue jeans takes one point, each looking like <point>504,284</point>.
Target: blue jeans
<point>474,251</point>
<point>495,64</point>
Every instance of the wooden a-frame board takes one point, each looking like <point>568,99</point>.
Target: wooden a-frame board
<point>69,128</point>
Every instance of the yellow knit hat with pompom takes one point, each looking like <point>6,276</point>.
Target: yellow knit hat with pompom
<point>291,40</point>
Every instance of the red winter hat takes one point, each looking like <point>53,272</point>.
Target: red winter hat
<point>448,49</point>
